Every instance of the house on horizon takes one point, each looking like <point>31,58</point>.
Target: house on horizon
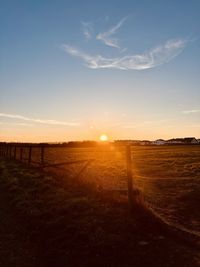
<point>145,142</point>
<point>182,141</point>
<point>159,142</point>
<point>190,140</point>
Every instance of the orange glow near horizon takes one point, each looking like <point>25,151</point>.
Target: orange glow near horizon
<point>103,138</point>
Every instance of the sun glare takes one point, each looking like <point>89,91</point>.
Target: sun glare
<point>103,138</point>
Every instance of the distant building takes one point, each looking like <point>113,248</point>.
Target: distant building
<point>175,141</point>
<point>145,142</point>
<point>183,141</point>
<point>159,142</point>
<point>190,140</point>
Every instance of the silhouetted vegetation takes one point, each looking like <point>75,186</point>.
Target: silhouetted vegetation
<point>72,223</point>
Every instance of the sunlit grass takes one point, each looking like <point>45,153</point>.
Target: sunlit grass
<point>165,174</point>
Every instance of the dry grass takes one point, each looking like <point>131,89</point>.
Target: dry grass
<point>74,225</point>
<point>168,176</point>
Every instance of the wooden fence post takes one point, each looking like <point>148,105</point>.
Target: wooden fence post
<point>7,150</point>
<point>29,155</point>
<point>10,152</point>
<point>15,152</point>
<point>129,176</point>
<point>21,153</point>
<point>42,155</point>
<point>4,151</point>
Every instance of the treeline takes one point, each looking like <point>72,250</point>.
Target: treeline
<point>63,144</point>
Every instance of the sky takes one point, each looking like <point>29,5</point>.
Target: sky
<point>73,70</point>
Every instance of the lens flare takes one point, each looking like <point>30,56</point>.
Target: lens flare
<point>103,138</point>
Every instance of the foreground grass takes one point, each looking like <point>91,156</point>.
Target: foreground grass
<point>168,176</point>
<point>72,225</point>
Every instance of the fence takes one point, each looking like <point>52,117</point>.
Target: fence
<point>16,152</point>
<point>35,155</point>
<point>168,177</point>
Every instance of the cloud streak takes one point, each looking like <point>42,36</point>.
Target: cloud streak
<point>149,59</point>
<point>105,37</point>
<point>48,122</point>
<point>17,124</point>
<point>87,29</point>
<point>191,111</point>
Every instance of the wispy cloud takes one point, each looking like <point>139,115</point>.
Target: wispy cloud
<point>191,111</point>
<point>154,57</point>
<point>105,37</point>
<point>49,122</point>
<point>17,124</point>
<point>87,29</point>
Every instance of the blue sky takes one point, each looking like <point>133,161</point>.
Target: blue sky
<point>71,70</point>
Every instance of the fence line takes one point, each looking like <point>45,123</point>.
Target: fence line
<point>9,151</point>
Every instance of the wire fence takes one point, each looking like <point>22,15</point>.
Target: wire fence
<point>106,166</point>
<point>167,177</point>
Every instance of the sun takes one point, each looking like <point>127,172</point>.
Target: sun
<point>103,138</point>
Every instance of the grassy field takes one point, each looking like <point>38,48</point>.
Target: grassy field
<point>70,223</point>
<point>170,180</point>
<point>168,176</point>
